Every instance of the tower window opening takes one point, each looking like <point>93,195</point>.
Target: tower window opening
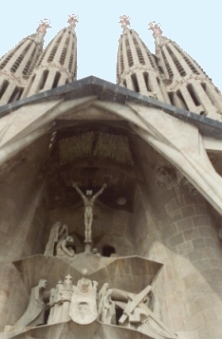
<point>52,54</point>
<point>146,79</point>
<point>25,71</point>
<point>169,70</point>
<point>75,69</point>
<point>203,113</point>
<point>21,90</point>
<point>41,58</point>
<point>140,56</point>
<point>211,98</point>
<point>176,62</point>
<point>14,95</point>
<point>149,55</point>
<point>56,79</point>
<point>124,83</point>
<point>171,97</point>
<point>130,58</point>
<point>217,90</point>
<point>204,86</point>
<point>43,79</point>
<point>42,55</point>
<point>54,50</point>
<point>20,58</point>
<point>150,59</point>
<point>6,60</point>
<point>127,42</point>
<point>63,56</point>
<point>192,67</point>
<point>67,41</point>
<point>107,250</point>
<point>59,39</point>
<point>29,85</point>
<point>17,63</point>
<point>122,64</point>
<point>71,63</point>
<point>194,70</point>
<point>193,95</point>
<point>160,70</point>
<point>117,69</point>
<point>31,63</point>
<point>135,83</point>
<point>183,102</point>
<point>27,48</point>
<point>4,63</point>
<point>3,87</point>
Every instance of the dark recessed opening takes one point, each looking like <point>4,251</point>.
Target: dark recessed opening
<point>108,250</point>
<point>135,83</point>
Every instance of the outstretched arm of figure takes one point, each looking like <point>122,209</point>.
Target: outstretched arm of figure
<point>99,192</point>
<point>78,190</point>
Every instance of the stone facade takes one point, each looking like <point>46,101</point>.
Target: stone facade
<point>151,265</point>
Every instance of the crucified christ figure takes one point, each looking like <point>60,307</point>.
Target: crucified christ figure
<point>89,202</point>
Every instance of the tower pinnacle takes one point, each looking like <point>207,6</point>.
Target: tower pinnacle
<point>43,25</point>
<point>157,31</point>
<point>124,21</point>
<point>73,19</point>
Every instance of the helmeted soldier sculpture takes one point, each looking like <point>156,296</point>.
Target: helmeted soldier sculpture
<point>89,202</point>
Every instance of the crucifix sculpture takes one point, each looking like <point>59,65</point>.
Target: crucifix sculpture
<point>89,202</point>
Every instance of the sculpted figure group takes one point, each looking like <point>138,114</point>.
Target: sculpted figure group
<point>83,304</point>
<point>60,244</point>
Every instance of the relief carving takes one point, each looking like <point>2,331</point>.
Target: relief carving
<point>83,304</point>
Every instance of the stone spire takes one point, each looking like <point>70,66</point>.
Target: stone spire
<point>137,67</point>
<point>18,63</point>
<point>57,64</point>
<point>187,84</point>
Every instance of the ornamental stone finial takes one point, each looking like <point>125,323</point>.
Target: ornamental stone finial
<point>73,19</point>
<point>157,31</point>
<point>124,21</point>
<point>43,25</point>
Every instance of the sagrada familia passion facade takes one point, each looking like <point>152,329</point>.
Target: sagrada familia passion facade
<point>111,194</point>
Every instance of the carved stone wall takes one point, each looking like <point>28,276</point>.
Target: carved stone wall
<point>21,222</point>
<point>185,239</point>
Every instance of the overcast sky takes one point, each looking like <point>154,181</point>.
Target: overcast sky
<point>195,25</point>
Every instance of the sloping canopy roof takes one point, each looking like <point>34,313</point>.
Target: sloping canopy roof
<point>106,91</point>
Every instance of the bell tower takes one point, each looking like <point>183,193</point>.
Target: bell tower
<point>137,67</point>
<point>187,84</point>
<point>57,65</point>
<point>17,65</point>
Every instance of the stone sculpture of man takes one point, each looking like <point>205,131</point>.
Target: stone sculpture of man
<point>64,248</point>
<point>34,314</point>
<point>58,232</point>
<point>106,307</point>
<point>89,202</point>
